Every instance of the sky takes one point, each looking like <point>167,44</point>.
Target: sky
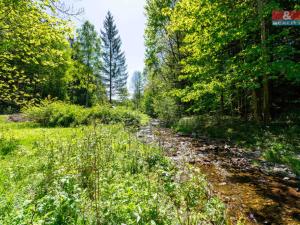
<point>130,20</point>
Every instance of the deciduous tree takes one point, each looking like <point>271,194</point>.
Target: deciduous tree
<point>34,53</point>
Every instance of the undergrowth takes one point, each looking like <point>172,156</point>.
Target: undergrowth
<point>7,146</point>
<point>52,114</point>
<point>98,174</point>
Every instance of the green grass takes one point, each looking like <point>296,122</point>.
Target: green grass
<point>96,175</point>
<point>21,168</point>
<point>279,141</point>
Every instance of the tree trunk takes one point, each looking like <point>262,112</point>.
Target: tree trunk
<point>87,93</point>
<point>245,106</point>
<point>110,73</point>
<point>266,94</point>
<point>222,102</point>
<point>266,100</point>
<point>256,105</point>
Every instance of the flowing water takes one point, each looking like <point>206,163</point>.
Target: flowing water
<point>248,190</point>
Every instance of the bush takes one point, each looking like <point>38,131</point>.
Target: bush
<point>148,104</point>
<point>283,153</point>
<point>167,109</point>
<point>61,204</point>
<point>124,115</point>
<point>188,125</point>
<point>61,114</point>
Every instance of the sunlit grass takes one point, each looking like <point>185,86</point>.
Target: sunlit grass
<point>97,174</point>
<point>23,165</point>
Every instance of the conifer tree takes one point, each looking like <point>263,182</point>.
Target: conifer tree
<point>114,62</point>
<point>137,81</point>
<point>87,57</point>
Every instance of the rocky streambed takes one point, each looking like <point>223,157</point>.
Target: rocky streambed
<point>260,192</point>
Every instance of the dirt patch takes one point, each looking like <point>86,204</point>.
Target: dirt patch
<point>16,118</point>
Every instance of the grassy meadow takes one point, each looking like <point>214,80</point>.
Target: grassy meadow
<point>95,174</point>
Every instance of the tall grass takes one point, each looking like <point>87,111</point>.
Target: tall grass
<point>7,145</point>
<point>102,174</point>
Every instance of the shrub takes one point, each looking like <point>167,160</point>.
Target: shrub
<point>166,109</point>
<point>61,114</point>
<point>124,115</point>
<point>55,114</point>
<point>188,125</point>
<point>283,153</point>
<point>61,204</point>
<point>148,103</point>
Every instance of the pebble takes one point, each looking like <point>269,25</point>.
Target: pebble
<point>184,150</point>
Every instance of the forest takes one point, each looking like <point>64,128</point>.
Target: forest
<point>207,133</point>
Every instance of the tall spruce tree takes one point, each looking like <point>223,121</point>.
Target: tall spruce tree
<point>114,62</point>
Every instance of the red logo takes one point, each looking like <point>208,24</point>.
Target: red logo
<point>286,15</point>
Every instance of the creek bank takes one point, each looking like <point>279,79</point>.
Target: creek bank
<point>259,191</point>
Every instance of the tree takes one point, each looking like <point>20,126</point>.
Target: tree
<point>163,55</point>
<point>138,85</point>
<point>86,76</point>
<point>34,53</point>
<point>123,98</point>
<point>221,56</point>
<point>114,62</point>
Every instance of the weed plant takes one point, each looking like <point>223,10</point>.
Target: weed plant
<point>100,174</point>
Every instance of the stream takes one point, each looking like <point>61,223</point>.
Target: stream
<point>262,193</point>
